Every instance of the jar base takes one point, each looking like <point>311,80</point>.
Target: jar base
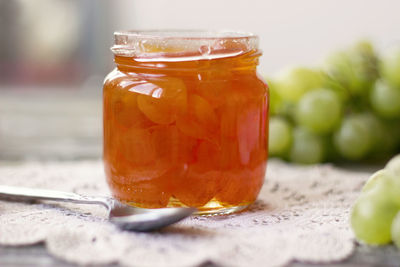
<point>212,208</point>
<point>221,210</point>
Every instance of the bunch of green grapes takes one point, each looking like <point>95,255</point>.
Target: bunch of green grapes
<point>348,110</point>
<point>375,217</point>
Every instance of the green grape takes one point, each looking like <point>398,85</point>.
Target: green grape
<point>353,140</point>
<point>365,61</point>
<point>338,66</point>
<point>393,127</point>
<point>385,100</point>
<point>376,178</point>
<point>376,129</point>
<point>319,111</point>
<point>280,136</point>
<point>390,68</point>
<point>381,176</point>
<point>355,69</point>
<point>395,230</point>
<point>394,166</point>
<point>288,109</point>
<point>385,178</point>
<point>383,139</point>
<point>307,148</point>
<point>335,86</point>
<point>331,153</point>
<point>293,83</point>
<point>372,216</point>
<point>390,140</point>
<point>275,101</point>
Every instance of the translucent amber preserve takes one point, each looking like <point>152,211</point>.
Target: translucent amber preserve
<point>185,120</point>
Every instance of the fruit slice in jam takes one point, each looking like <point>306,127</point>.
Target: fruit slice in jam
<point>199,120</point>
<point>197,187</point>
<point>120,105</point>
<point>163,100</point>
<point>140,173</point>
<point>150,194</point>
<point>200,180</point>
<point>214,86</point>
<point>137,147</point>
<point>241,186</point>
<point>242,153</point>
<point>248,132</point>
<point>145,185</point>
<point>128,113</point>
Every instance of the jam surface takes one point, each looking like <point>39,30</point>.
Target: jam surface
<point>189,133</point>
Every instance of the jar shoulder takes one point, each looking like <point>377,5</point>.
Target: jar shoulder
<point>120,80</point>
<point>251,82</point>
<point>113,75</point>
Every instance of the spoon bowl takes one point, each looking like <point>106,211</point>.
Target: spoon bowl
<point>140,219</point>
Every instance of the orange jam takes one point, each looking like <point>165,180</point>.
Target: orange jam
<point>185,121</point>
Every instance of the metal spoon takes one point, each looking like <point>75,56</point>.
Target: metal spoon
<point>125,216</point>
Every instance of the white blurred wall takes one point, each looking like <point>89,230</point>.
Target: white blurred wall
<point>292,32</point>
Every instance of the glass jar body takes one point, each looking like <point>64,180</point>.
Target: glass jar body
<point>180,135</point>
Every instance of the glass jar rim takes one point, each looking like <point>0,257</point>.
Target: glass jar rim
<point>185,34</point>
<point>179,45</point>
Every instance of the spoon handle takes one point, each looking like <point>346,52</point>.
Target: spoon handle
<point>28,194</point>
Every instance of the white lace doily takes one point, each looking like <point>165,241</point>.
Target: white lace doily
<point>301,214</point>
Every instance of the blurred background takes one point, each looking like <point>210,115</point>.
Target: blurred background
<point>54,55</point>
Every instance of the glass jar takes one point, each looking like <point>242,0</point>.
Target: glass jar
<point>185,120</point>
